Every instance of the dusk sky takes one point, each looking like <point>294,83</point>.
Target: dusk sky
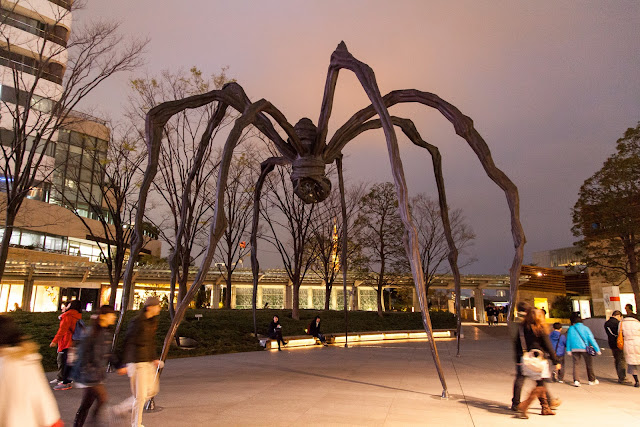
<point>550,85</point>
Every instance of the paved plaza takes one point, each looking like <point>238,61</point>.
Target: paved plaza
<point>368,384</point>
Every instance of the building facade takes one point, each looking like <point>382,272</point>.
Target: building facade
<point>69,182</point>
<point>591,293</point>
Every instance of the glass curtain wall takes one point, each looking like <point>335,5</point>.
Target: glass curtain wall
<point>78,176</point>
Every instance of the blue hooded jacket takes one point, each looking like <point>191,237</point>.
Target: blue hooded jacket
<point>579,337</point>
<point>558,342</point>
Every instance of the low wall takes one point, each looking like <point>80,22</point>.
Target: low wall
<point>596,324</point>
<point>306,340</point>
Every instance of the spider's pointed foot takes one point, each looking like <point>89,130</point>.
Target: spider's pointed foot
<point>342,46</point>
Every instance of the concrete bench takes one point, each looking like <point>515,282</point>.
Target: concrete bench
<point>307,340</point>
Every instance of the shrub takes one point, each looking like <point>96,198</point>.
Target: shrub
<point>231,331</point>
<point>561,307</point>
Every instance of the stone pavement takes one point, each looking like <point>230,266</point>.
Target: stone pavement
<point>369,384</point>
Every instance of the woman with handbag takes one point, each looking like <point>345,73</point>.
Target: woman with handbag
<point>531,344</point>
<point>581,343</point>
<point>25,397</point>
<point>630,335</point>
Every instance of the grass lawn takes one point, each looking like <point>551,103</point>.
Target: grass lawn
<point>231,331</point>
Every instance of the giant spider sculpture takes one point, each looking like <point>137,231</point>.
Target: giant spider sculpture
<point>308,153</point>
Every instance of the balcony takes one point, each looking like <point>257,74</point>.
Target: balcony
<point>56,34</point>
<point>28,65</point>
<point>63,3</point>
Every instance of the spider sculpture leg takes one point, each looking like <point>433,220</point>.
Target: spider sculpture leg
<point>411,132</point>
<point>252,114</point>
<point>205,142</point>
<point>231,94</point>
<point>219,223</point>
<point>463,126</point>
<point>341,58</point>
<point>343,256</point>
<point>266,167</point>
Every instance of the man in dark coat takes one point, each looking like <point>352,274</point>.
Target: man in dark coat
<point>522,307</point>
<point>314,330</point>
<point>611,328</point>
<point>141,360</point>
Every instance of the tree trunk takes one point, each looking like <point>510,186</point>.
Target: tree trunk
<point>630,250</point>
<point>172,297</point>
<point>227,295</point>
<point>114,290</point>
<point>633,278</point>
<point>182,288</point>
<point>295,307</point>
<point>327,296</point>
<point>6,239</point>
<point>380,307</point>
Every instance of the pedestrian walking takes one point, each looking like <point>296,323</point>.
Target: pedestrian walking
<point>629,309</point>
<point>141,361</point>
<point>275,332</point>
<point>490,314</point>
<point>94,352</point>
<point>521,311</point>
<point>611,328</point>
<point>533,335</point>
<point>314,330</point>
<point>559,343</point>
<point>630,329</point>
<point>581,344</point>
<point>25,397</point>
<point>64,341</point>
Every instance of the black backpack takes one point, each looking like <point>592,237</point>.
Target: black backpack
<point>78,332</point>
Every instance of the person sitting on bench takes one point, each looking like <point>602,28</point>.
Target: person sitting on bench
<point>314,330</point>
<point>275,332</point>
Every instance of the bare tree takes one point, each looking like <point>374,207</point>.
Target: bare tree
<point>233,247</point>
<point>432,240</point>
<point>111,197</point>
<point>381,235</point>
<point>39,101</point>
<point>183,135</point>
<point>289,222</point>
<point>327,242</point>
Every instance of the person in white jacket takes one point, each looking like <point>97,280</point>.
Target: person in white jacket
<point>25,397</point>
<point>630,329</point>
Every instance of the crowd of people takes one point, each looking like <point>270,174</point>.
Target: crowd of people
<point>495,314</point>
<point>83,356</point>
<point>83,353</point>
<point>540,354</point>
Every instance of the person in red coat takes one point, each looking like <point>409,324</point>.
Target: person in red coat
<point>63,339</point>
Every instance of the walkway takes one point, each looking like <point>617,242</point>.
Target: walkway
<point>374,384</point>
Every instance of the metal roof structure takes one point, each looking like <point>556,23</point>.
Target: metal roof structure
<point>78,273</point>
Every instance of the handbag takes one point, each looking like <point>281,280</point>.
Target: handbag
<point>589,348</point>
<point>534,364</point>
<point>620,340</point>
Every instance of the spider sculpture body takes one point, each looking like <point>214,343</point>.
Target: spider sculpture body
<point>308,152</point>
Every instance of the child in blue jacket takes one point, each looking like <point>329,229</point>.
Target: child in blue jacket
<point>558,342</point>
